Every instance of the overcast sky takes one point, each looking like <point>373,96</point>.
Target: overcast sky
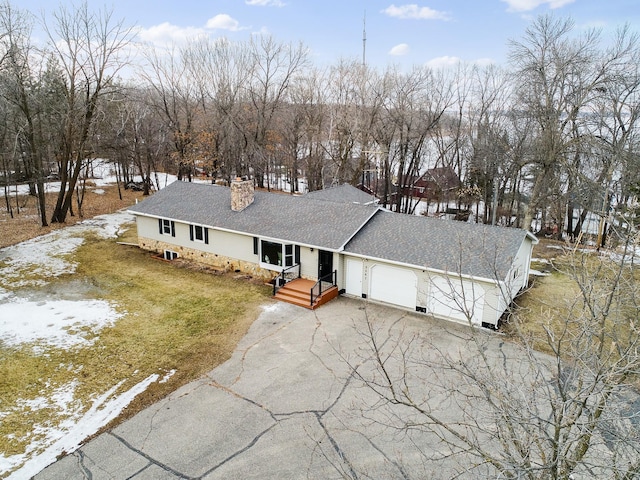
<point>433,32</point>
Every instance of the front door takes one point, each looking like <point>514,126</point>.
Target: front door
<point>325,263</point>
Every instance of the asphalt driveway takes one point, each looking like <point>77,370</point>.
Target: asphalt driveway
<point>286,405</point>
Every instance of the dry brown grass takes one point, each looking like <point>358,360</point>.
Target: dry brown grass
<point>586,301</point>
<point>25,223</point>
<point>546,305</point>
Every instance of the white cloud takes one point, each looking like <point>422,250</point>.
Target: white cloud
<point>223,21</point>
<point>528,5</point>
<point>415,12</point>
<point>265,3</point>
<point>399,50</point>
<point>166,34</point>
<point>443,62</point>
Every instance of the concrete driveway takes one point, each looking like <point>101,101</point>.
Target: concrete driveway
<point>286,405</point>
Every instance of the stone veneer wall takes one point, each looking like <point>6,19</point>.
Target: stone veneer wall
<point>241,194</point>
<point>227,264</point>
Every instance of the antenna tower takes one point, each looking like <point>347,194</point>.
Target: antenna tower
<point>364,38</point>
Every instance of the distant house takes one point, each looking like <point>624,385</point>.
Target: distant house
<point>339,236</point>
<point>437,184</point>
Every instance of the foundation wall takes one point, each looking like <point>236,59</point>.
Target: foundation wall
<point>221,262</point>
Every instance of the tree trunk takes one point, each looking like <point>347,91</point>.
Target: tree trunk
<point>65,196</point>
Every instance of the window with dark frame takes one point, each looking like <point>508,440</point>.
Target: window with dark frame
<point>167,227</point>
<point>288,255</point>
<point>271,253</point>
<point>198,233</point>
<point>275,253</point>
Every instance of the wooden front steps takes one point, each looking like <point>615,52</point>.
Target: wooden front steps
<point>298,292</point>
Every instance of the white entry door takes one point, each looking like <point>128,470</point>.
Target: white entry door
<point>353,280</point>
<point>398,286</point>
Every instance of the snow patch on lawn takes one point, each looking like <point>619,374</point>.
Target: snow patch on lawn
<point>40,257</point>
<point>68,436</point>
<point>55,323</point>
<point>52,323</point>
<point>45,256</point>
<point>540,260</point>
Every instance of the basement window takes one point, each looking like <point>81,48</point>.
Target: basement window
<point>170,255</point>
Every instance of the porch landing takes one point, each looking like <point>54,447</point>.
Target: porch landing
<point>298,292</point>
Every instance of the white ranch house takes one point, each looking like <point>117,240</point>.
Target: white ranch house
<point>452,270</point>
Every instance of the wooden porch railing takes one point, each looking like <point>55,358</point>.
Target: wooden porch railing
<point>286,275</point>
<point>324,284</point>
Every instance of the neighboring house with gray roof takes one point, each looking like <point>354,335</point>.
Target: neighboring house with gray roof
<point>449,269</point>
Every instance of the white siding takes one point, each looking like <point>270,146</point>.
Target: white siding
<point>147,227</point>
<point>519,274</point>
<point>232,245</point>
<point>220,243</point>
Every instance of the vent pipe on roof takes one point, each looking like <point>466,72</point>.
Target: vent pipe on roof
<point>241,194</point>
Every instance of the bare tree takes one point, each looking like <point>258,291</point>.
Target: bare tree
<point>221,70</point>
<point>134,137</point>
<point>175,100</point>
<point>416,104</point>
<point>274,67</point>
<point>22,89</point>
<point>559,76</point>
<point>493,164</point>
<point>617,111</point>
<point>344,129</point>
<point>88,47</point>
<point>309,95</point>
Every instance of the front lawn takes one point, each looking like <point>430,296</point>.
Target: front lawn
<point>175,324</point>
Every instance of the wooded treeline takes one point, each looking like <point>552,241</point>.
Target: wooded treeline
<point>551,136</point>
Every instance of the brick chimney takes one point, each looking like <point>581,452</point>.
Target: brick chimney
<point>241,194</point>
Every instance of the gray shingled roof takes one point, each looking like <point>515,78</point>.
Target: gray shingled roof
<point>469,249</point>
<point>301,220</point>
<point>344,193</point>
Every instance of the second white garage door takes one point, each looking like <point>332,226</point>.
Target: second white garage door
<point>456,299</point>
<point>397,286</point>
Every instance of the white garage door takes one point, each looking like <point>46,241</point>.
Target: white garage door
<point>353,281</point>
<point>456,299</point>
<point>394,285</point>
